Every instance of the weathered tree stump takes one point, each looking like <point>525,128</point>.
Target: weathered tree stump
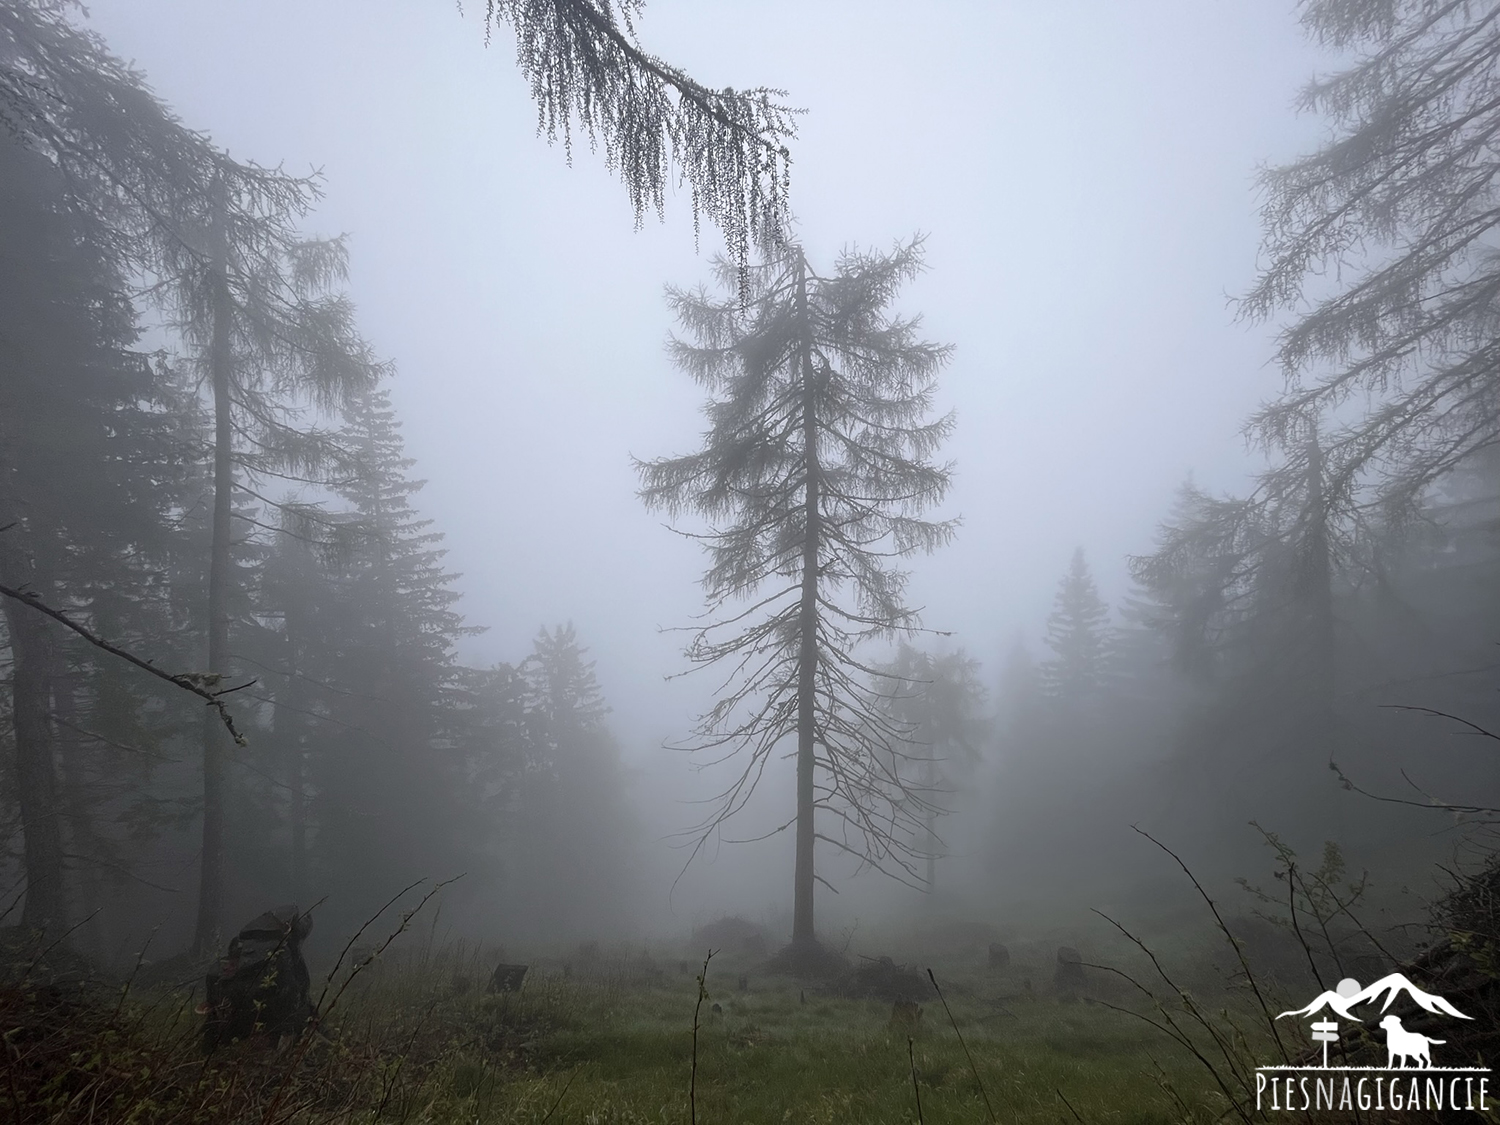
<point>508,978</point>
<point>262,986</point>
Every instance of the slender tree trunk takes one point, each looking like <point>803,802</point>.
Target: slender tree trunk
<point>807,625</point>
<point>211,876</point>
<point>33,660</point>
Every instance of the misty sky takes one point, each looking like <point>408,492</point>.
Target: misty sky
<point>1084,171</point>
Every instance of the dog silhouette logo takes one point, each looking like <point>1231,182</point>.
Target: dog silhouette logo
<point>1401,1045</point>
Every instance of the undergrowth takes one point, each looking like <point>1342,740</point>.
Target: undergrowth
<point>419,1039</point>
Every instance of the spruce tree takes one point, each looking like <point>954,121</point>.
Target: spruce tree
<point>814,475</point>
<point>87,487</point>
<point>272,340</point>
<point>571,823</point>
<point>1078,635</point>
<point>938,701</point>
<point>389,782</point>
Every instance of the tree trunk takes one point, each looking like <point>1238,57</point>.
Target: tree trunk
<point>33,661</point>
<point>211,874</point>
<point>807,626</point>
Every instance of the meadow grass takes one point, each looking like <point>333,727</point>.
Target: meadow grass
<point>417,1038</point>
<point>614,1046</point>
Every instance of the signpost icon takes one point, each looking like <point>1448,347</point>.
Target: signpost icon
<point>1325,1032</point>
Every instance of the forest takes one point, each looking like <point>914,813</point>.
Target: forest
<point>1029,630</point>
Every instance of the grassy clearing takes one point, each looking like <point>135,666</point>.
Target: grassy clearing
<point>769,1058</point>
<point>420,1040</point>
<point>613,1044</point>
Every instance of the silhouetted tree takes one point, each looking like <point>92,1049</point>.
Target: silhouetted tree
<point>938,701</point>
<point>564,693</point>
<point>393,771</point>
<point>1078,635</point>
<point>569,822</point>
<point>814,474</point>
<point>271,339</point>
<point>86,488</point>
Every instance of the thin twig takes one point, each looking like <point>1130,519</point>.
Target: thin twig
<point>693,1079</point>
<point>320,1013</point>
<point>911,1053</point>
<point>1291,902</point>
<point>972,1068</point>
<point>1233,941</point>
<point>1069,1104</point>
<point>566,1086</point>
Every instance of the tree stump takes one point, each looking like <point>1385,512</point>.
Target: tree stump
<point>262,986</point>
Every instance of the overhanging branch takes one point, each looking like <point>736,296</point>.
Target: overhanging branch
<point>199,683</point>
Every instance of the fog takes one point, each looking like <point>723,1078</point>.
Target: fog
<point>1084,172</point>
<point>1085,175</point>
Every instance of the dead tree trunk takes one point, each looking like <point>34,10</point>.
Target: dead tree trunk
<point>807,624</point>
<point>211,872</point>
<point>33,665</point>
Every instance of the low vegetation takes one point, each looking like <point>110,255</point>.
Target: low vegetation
<point>418,1038</point>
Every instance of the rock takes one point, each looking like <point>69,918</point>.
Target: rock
<point>999,956</point>
<point>508,978</point>
<point>262,985</point>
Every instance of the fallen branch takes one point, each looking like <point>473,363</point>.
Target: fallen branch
<point>199,683</point>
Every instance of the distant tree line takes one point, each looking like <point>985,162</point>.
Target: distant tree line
<point>1253,668</point>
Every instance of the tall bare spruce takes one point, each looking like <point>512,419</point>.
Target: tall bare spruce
<point>815,472</point>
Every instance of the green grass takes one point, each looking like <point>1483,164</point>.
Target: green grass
<point>619,1050</point>
<point>418,1040</point>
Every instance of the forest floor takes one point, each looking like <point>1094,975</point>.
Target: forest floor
<point>624,1054</point>
<point>609,1042</point>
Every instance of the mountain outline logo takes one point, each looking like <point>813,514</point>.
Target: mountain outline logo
<point>1348,994</point>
